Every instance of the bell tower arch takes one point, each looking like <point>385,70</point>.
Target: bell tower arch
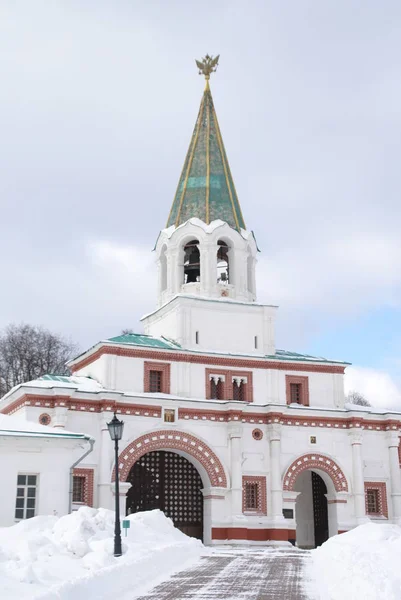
<point>206,256</point>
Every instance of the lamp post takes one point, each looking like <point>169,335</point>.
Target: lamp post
<point>115,428</point>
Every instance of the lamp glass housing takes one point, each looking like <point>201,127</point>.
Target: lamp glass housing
<point>115,428</point>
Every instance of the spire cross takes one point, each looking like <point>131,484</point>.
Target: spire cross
<point>207,65</point>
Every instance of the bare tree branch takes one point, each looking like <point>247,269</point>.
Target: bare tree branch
<point>28,352</point>
<point>355,397</point>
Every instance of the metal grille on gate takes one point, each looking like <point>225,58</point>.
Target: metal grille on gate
<point>320,515</point>
<point>168,481</point>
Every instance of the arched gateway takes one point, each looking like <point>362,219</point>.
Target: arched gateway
<point>314,482</point>
<point>169,470</point>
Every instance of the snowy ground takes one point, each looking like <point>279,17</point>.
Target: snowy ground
<point>364,563</point>
<point>71,557</point>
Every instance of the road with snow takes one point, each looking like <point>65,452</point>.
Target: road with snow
<point>240,574</point>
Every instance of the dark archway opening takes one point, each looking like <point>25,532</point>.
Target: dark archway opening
<point>191,262</point>
<point>168,481</point>
<point>320,516</point>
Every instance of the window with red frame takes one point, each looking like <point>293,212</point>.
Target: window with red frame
<point>251,495</point>
<point>155,381</point>
<point>216,389</point>
<point>297,389</point>
<point>239,390</point>
<point>78,489</point>
<point>295,393</point>
<point>372,502</point>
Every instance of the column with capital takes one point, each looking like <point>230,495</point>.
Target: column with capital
<point>275,471</point>
<point>393,441</point>
<point>105,463</point>
<point>235,434</point>
<point>60,416</point>
<point>356,436</point>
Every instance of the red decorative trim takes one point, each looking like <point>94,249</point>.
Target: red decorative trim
<point>143,410</point>
<point>236,363</point>
<point>304,383</point>
<point>157,366</point>
<point>315,461</point>
<point>44,419</point>
<point>262,504</point>
<point>211,497</point>
<point>228,385</point>
<point>88,475</point>
<point>380,486</point>
<point>257,434</point>
<point>80,405</point>
<point>255,535</point>
<point>336,502</point>
<point>176,440</point>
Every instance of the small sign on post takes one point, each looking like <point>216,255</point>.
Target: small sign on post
<point>126,526</point>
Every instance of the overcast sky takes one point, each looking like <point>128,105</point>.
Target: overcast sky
<point>97,105</point>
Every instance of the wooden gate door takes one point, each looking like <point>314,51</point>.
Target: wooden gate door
<point>168,481</point>
<point>320,516</point>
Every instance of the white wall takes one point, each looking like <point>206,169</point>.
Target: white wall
<point>50,459</point>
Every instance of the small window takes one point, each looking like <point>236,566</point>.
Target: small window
<point>295,393</point>
<point>169,415</point>
<point>239,390</point>
<point>25,504</point>
<point>216,389</point>
<point>78,489</point>
<point>256,342</point>
<point>372,497</point>
<point>251,496</point>
<point>155,381</point>
<point>196,337</point>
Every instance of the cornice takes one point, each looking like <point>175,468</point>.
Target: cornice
<point>204,359</point>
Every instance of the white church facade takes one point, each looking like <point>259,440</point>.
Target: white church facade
<point>236,440</point>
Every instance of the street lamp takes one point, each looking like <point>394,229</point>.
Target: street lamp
<point>115,428</point>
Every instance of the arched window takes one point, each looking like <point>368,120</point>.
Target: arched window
<point>191,262</point>
<point>223,271</point>
<point>250,280</point>
<point>163,269</point>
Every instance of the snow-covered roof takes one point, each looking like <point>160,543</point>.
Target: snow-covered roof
<point>14,426</point>
<point>78,383</point>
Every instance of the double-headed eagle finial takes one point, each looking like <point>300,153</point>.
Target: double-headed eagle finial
<point>207,65</point>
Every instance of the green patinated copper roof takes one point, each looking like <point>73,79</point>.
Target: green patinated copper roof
<point>206,188</point>
<point>137,339</point>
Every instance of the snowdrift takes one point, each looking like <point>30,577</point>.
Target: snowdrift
<point>55,558</point>
<point>362,563</point>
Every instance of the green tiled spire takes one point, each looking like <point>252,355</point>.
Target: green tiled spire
<point>206,188</point>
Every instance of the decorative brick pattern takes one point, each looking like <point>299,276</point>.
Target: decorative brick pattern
<point>76,404</point>
<point>157,366</point>
<point>123,408</point>
<point>228,384</point>
<point>234,363</point>
<point>381,488</point>
<point>44,419</point>
<point>175,440</point>
<point>303,382</point>
<point>88,475</point>
<point>315,461</point>
<point>260,481</point>
<point>257,434</point>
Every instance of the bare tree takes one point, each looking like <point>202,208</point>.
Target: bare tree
<point>28,352</point>
<point>127,331</point>
<point>355,397</point>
